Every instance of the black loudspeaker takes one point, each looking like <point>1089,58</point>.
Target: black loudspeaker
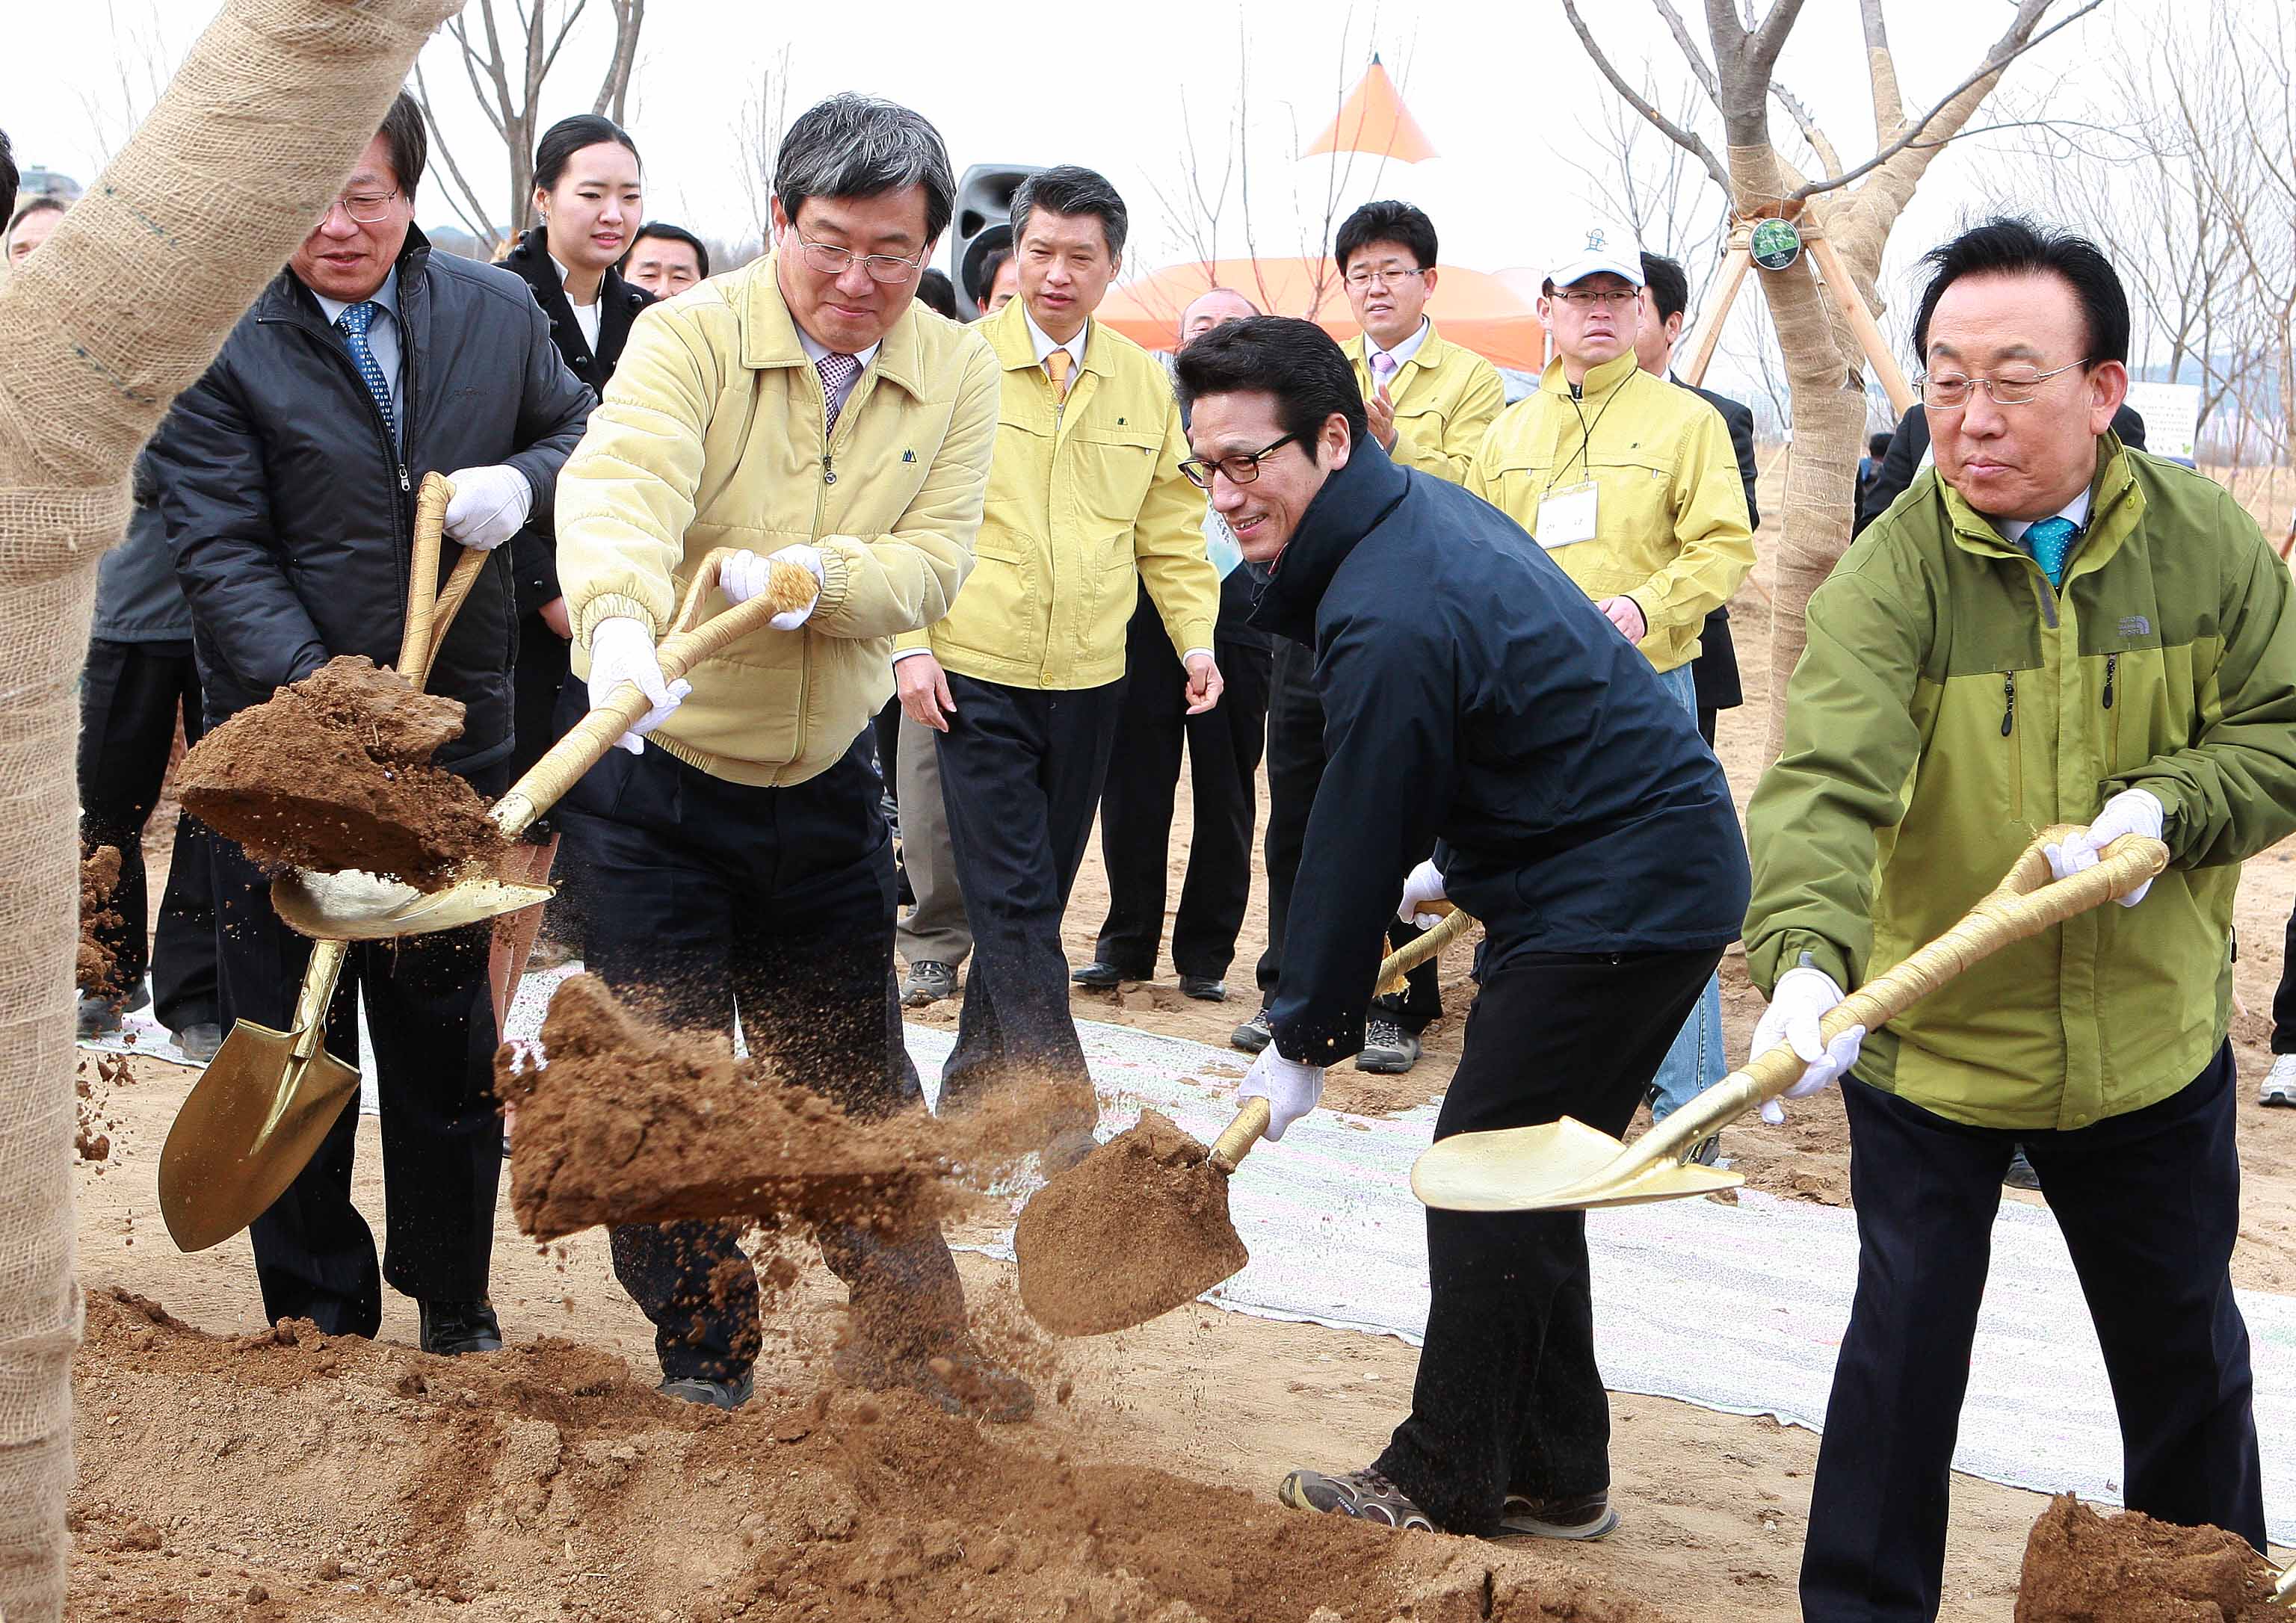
<point>983,224</point>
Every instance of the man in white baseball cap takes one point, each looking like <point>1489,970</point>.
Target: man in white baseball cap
<point>1631,485</point>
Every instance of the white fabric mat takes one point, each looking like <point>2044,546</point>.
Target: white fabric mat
<point>1739,1308</point>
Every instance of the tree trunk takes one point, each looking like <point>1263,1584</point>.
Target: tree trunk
<point>124,306</point>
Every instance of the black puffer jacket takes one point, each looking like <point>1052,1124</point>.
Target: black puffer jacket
<point>290,513</point>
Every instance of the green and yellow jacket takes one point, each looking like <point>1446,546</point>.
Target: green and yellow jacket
<point>1951,703</point>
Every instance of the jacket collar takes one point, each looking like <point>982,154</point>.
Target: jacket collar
<point>1431,353</point>
<point>1599,382</point>
<point>769,333</point>
<point>1351,504</point>
<point>1007,332</point>
<point>2115,504</point>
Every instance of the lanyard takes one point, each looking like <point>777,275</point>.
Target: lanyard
<point>1586,433</point>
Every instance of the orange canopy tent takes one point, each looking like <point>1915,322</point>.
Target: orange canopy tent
<point>1373,119</point>
<point>1472,308</point>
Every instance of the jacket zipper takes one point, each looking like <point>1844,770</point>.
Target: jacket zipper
<point>2112,664</point>
<point>2008,703</point>
<point>2016,755</point>
<point>402,526</point>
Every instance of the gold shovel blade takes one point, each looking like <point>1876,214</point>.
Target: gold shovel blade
<point>1559,1166</point>
<point>251,1123</point>
<point>353,905</point>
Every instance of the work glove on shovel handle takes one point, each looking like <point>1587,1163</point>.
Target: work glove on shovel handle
<point>1290,1088</point>
<point>1799,1004</point>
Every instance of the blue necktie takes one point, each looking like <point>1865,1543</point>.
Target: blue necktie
<point>2049,540</point>
<point>355,319</point>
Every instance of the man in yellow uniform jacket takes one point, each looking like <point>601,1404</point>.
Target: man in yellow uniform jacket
<point>1631,485</point>
<point>804,408</point>
<point>1429,403</point>
<point>1021,684</point>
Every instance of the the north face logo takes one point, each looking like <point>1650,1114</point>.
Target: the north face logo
<point>2136,625</point>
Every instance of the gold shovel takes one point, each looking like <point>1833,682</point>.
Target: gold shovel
<point>1568,1166</point>
<point>260,1111</point>
<point>366,907</point>
<point>2284,1592</point>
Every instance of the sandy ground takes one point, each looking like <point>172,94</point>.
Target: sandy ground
<point>1715,1505</point>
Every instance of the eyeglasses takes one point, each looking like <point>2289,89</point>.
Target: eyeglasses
<point>1240,469</point>
<point>362,207</point>
<point>1362,279</point>
<point>831,261</point>
<point>1951,391</point>
<point>1616,299</point>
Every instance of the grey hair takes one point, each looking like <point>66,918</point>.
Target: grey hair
<point>1071,189</point>
<point>855,145</point>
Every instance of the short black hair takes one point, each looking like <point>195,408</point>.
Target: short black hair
<point>1385,221</point>
<point>568,136</point>
<point>408,139</point>
<point>1669,284</point>
<point>1877,446</point>
<point>2007,246</point>
<point>1071,189</point>
<point>938,293</point>
<point>989,267</point>
<point>669,233</point>
<point>9,178</point>
<point>1296,361</point>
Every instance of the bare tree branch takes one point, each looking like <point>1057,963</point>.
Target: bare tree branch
<point>1689,141</point>
<point>1804,122</point>
<point>1698,68</point>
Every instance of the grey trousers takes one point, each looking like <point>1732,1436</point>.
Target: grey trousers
<point>935,929</point>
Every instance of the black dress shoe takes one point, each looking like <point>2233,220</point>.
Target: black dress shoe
<point>1102,977</point>
<point>1203,988</point>
<point>451,1329</point>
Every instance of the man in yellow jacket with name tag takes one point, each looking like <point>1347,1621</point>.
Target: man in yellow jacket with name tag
<point>1021,683</point>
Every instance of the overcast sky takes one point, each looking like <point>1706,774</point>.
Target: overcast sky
<point>1501,88</point>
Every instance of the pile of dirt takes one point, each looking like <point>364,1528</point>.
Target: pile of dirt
<point>97,965</point>
<point>291,1474</point>
<point>334,772</point>
<point>2084,1568</point>
<point>625,1122</point>
<point>1136,1229</point>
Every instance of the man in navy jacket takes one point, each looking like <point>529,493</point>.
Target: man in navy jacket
<point>1476,700</point>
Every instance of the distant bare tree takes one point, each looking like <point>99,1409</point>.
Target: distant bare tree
<point>1657,186</point>
<point>140,66</point>
<point>508,52</point>
<point>758,129</point>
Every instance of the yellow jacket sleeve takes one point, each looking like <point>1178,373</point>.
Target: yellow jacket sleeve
<point>1167,544</point>
<point>897,584</point>
<point>626,496</point>
<point>1710,523</point>
<point>1467,418</point>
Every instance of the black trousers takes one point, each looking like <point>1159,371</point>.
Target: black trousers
<point>2149,1203</point>
<point>1509,1399</point>
<point>431,1019</point>
<point>1295,769</point>
<point>1020,771</point>
<point>710,900</point>
<point>129,701</point>
<point>1223,747</point>
<point>2283,995</point>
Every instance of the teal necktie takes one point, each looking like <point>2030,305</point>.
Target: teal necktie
<point>2049,541</point>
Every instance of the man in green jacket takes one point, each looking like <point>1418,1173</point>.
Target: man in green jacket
<point>2046,628</point>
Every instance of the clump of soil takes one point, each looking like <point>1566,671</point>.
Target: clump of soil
<point>1136,1229</point>
<point>541,1484</point>
<point>2084,1568</point>
<point>626,1122</point>
<point>98,965</point>
<point>334,772</point>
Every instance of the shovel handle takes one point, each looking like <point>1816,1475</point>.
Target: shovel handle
<point>2025,903</point>
<point>430,608</point>
<point>319,976</point>
<point>1235,1141</point>
<point>687,645</point>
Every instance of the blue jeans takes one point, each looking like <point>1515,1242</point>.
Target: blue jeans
<point>1695,1063</point>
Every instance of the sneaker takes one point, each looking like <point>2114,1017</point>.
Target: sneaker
<point>1364,1495</point>
<point>712,1394</point>
<point>1254,1034</point>
<point>199,1041</point>
<point>928,981</point>
<point>1205,988</point>
<point>2020,1173</point>
<point>1585,1517</point>
<point>1708,1153</point>
<point>1387,1050</point>
<point>2280,1082</point>
<point>451,1329</point>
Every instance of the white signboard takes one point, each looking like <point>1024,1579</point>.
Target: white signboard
<point>2172,416</point>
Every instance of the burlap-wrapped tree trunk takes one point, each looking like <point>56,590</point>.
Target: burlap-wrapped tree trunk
<point>124,306</point>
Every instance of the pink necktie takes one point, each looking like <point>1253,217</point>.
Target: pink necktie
<point>1383,364</point>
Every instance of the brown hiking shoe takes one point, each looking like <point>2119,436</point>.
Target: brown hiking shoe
<point>1364,1495</point>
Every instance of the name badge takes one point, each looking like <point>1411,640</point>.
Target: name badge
<point>1566,516</point>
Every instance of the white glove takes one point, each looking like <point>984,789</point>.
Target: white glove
<point>1803,997</point>
<point>621,650</point>
<point>745,574</point>
<point>1425,885</point>
<point>489,506</point>
<point>1290,1088</point>
<point>2132,811</point>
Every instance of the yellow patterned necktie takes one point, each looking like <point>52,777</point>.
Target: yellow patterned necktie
<point>1056,366</point>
